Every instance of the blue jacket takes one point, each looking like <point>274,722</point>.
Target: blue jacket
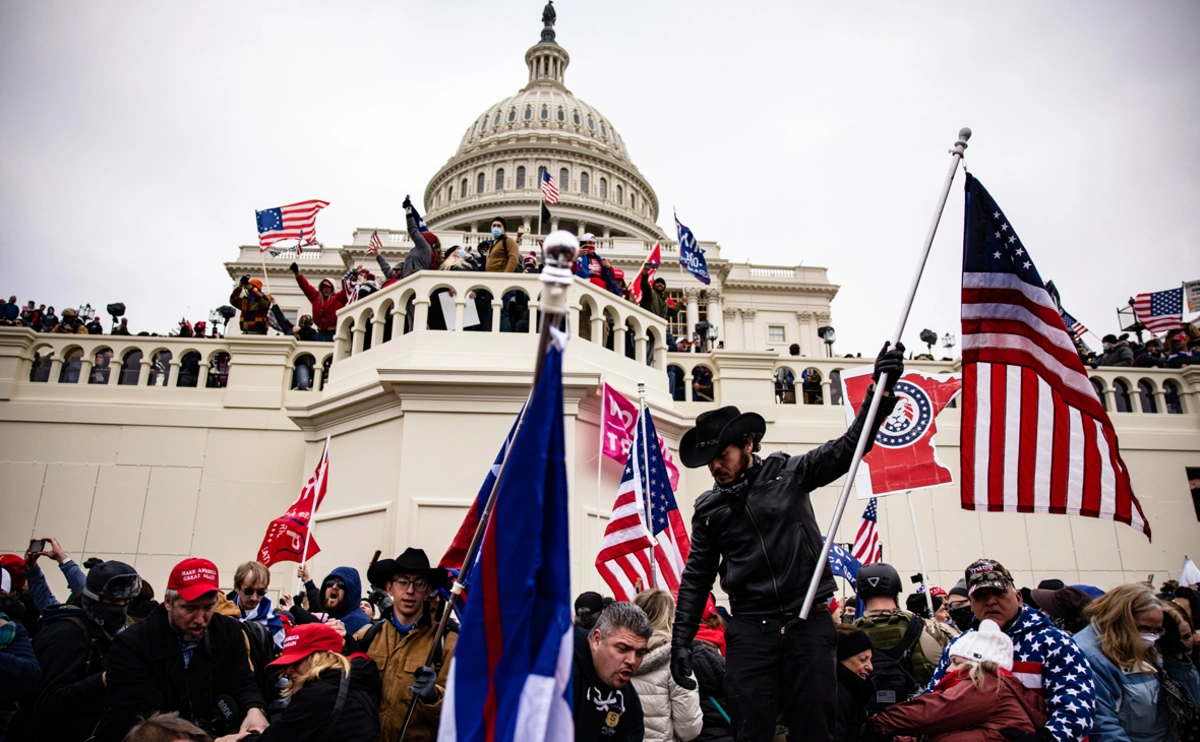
<point>1047,659</point>
<point>39,589</point>
<point>1132,707</point>
<point>584,271</point>
<point>350,613</point>
<point>20,673</point>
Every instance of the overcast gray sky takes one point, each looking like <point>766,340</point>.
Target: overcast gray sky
<point>139,137</point>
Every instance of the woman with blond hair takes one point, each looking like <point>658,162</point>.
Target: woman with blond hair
<point>672,712</point>
<point>1123,645</point>
<point>333,698</point>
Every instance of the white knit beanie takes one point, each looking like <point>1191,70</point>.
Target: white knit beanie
<point>985,644</point>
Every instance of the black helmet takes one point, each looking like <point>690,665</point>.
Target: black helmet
<point>878,580</point>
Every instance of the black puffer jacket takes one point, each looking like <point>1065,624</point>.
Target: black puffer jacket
<point>308,716</point>
<point>853,694</point>
<point>709,666</point>
<point>760,534</point>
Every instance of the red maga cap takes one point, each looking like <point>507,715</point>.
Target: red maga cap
<point>192,578</point>
<point>305,639</point>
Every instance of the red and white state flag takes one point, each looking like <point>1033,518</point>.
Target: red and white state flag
<point>904,457</point>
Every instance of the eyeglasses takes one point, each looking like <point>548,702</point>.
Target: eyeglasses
<point>1148,630</point>
<point>404,584</point>
<point>248,591</point>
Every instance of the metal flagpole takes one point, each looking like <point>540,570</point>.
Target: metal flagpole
<point>311,517</point>
<point>920,554</point>
<point>956,155</point>
<point>600,459</point>
<point>646,474</point>
<point>558,277</point>
<point>266,281</point>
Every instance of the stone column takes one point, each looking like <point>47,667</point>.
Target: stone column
<point>619,338</point>
<point>598,327</point>
<point>639,348</point>
<point>356,343</point>
<point>1160,400</point>
<point>85,369</point>
<point>713,297</point>
<point>692,295</point>
<point>730,315</point>
<point>114,371</point>
<point>144,376</point>
<point>378,323</point>
<point>201,382</point>
<point>55,369</point>
<point>421,314</point>
<point>807,333</point>
<point>748,331</point>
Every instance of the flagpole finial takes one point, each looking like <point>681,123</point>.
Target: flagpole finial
<point>960,146</point>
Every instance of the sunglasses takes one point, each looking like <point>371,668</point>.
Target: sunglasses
<point>248,591</point>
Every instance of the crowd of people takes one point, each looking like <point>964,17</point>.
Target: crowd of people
<point>1176,349</point>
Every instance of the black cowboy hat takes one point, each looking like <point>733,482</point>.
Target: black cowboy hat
<point>412,561</point>
<point>714,431</point>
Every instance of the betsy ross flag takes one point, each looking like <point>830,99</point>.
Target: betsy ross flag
<point>650,268</point>
<point>1034,436</point>
<point>623,561</point>
<point>291,222</point>
<point>866,542</point>
<point>510,676</point>
<point>549,188</point>
<point>286,536</point>
<point>375,245</point>
<point>1160,310</point>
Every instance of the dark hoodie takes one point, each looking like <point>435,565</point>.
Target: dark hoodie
<point>73,652</point>
<point>349,612</point>
<point>594,700</point>
<point>308,716</point>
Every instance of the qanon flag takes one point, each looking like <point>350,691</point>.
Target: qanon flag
<point>287,536</point>
<point>616,436</point>
<point>904,457</point>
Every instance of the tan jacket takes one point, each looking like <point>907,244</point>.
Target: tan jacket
<point>504,256</point>
<point>398,658</point>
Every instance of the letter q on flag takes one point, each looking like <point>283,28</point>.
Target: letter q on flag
<point>904,457</point>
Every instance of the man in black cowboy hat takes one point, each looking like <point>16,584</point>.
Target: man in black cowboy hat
<point>401,641</point>
<point>756,529</point>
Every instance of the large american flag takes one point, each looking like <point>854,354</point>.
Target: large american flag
<point>549,188</point>
<point>1035,437</point>
<point>623,560</point>
<point>866,541</point>
<point>289,222</point>
<point>1160,310</point>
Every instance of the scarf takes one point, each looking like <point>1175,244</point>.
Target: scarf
<point>265,615</point>
<point>741,483</point>
<point>401,627</point>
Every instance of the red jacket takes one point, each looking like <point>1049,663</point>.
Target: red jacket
<point>957,712</point>
<point>324,311</point>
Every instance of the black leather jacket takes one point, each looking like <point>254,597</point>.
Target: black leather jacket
<point>762,538</point>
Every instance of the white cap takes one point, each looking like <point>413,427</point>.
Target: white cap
<point>587,237</point>
<point>5,581</point>
<point>985,644</point>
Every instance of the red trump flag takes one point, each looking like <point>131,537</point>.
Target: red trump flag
<point>903,457</point>
<point>288,539</point>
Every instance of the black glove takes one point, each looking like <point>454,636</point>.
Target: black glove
<point>681,667</point>
<point>890,361</point>
<point>294,268</point>
<point>407,205</point>
<point>1170,643</point>
<point>425,684</point>
<point>244,280</point>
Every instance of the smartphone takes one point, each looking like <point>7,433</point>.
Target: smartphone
<point>1150,579</point>
<point>37,545</point>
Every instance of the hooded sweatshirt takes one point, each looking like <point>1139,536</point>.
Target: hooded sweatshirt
<point>324,311</point>
<point>349,612</point>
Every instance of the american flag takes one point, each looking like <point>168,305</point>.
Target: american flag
<point>623,561</point>
<point>374,246</point>
<point>289,222</point>
<point>866,542</point>
<point>1074,326</point>
<point>1035,437</point>
<point>549,188</point>
<point>1160,310</point>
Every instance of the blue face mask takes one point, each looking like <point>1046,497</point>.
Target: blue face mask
<point>462,253</point>
<point>497,232</point>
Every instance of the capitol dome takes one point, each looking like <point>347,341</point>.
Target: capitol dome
<point>497,168</point>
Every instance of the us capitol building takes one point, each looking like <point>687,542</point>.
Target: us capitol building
<point>139,461</point>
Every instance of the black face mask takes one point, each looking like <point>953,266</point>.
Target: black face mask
<point>109,615</point>
<point>962,617</point>
<point>12,606</point>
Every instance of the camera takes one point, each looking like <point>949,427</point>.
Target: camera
<point>244,280</point>
<point>917,578</point>
<point>224,718</point>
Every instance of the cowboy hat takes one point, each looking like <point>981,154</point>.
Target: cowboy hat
<point>412,561</point>
<point>714,431</point>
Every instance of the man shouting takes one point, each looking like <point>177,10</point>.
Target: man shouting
<point>756,529</point>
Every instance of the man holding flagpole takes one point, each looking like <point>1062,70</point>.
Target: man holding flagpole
<point>757,530</point>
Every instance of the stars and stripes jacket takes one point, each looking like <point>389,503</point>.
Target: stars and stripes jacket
<point>1048,660</point>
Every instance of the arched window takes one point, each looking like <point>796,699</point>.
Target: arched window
<point>1174,401</point>
<point>1099,387</point>
<point>633,201</point>
<point>71,366</point>
<point>785,386</point>
<point>575,117</point>
<point>835,388</point>
<point>1121,392</point>
<point>463,190</point>
<point>562,115</point>
<point>512,115</point>
<point>620,195</point>
<point>500,179</point>
<point>583,182</point>
<point>482,182</point>
<point>545,113</point>
<point>496,121</point>
<point>302,372</point>
<point>101,366</point>
<point>160,366</point>
<point>131,368</point>
<point>702,384</point>
<point>564,179</point>
<point>591,123</point>
<point>528,112</point>
<point>541,175</point>
<point>520,177</point>
<point>603,130</point>
<point>189,370</point>
<point>810,383</point>
<point>450,193</point>
<point>675,383</point>
<point>1146,393</point>
<point>482,124</point>
<point>603,188</point>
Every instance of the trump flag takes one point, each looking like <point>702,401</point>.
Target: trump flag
<point>904,457</point>
<point>618,425</point>
<point>287,537</point>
